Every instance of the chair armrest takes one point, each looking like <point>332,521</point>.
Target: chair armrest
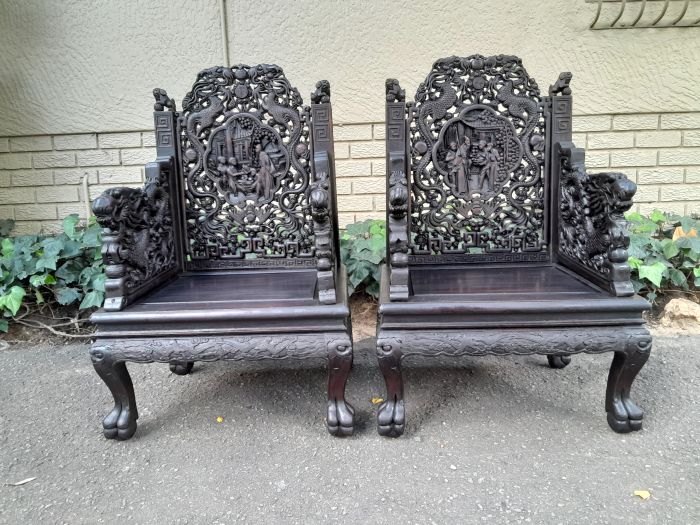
<point>397,194</point>
<point>138,238</point>
<point>321,212</point>
<point>593,238</point>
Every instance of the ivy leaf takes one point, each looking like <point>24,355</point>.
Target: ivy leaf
<point>657,216</point>
<point>670,248</point>
<point>652,272</point>
<point>696,272</point>
<point>92,299</point>
<point>66,295</point>
<point>69,224</point>
<point>12,300</point>
<point>37,280</point>
<point>634,262</point>
<point>4,325</point>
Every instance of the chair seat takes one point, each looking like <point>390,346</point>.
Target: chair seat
<point>507,297</point>
<point>230,302</point>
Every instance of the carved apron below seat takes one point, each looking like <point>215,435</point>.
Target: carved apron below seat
<point>230,250</point>
<point>499,240</point>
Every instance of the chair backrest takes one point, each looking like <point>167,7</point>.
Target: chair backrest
<point>245,151</point>
<point>477,141</point>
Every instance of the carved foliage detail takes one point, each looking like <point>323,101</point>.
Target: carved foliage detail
<point>245,149</point>
<point>477,138</point>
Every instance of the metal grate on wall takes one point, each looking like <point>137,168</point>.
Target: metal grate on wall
<point>632,14</point>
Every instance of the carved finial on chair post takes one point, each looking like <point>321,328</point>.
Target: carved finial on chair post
<point>394,93</point>
<point>322,94</point>
<point>162,100</point>
<point>561,85</point>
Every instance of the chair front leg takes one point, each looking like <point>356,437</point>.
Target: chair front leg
<point>558,360</point>
<point>392,416</point>
<point>120,423</point>
<point>182,369</point>
<point>340,415</point>
<point>623,414</point>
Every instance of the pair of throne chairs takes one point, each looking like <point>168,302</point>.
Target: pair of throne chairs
<point>499,241</point>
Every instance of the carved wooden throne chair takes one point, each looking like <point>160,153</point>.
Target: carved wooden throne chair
<point>500,241</point>
<point>230,250</point>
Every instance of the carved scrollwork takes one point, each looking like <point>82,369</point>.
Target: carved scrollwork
<point>477,140</point>
<point>138,236</point>
<point>245,145</point>
<point>592,229</point>
<point>163,102</point>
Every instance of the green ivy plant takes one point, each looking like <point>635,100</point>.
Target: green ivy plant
<point>362,249</point>
<point>664,253</point>
<point>65,268</point>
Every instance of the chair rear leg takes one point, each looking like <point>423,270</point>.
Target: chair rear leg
<point>340,415</point>
<point>392,415</point>
<point>120,423</point>
<point>181,369</point>
<point>623,414</point>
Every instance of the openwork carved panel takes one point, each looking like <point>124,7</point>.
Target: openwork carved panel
<point>477,137</point>
<point>246,156</point>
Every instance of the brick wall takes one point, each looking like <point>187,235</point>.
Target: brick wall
<point>40,176</point>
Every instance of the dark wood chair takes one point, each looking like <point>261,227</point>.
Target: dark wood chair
<point>230,250</point>
<point>499,240</point>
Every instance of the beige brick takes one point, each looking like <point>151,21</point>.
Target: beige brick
<point>692,174</point>
<point>680,120</point>
<point>644,121</point>
<point>103,157</point>
<point>630,173</point>
<point>51,227</point>
<point>341,150</point>
<point>138,156</point>
<point>7,212</point>
<point>64,210</point>
<point>63,159</point>
<point>34,143</point>
<point>343,187</point>
<point>57,194</point>
<point>633,157</point>
<point>592,123</point>
<point>148,138</point>
<point>354,203</point>
<point>17,195</point>
<point>379,168</point>
<point>660,176</point>
<point>345,218</point>
<point>15,161</point>
<point>120,140</point>
<point>83,141</point>
<point>120,175</point>
<point>657,139</point>
<point>374,215</point>
<point>32,177</point>
<point>4,145</point>
<point>6,178</point>
<point>379,131</point>
<point>74,176</point>
<point>597,159</point>
<point>379,203</point>
<point>681,156</point>
<point>647,194</point>
<point>620,139</point>
<point>363,150</point>
<point>669,207</point>
<point>679,192</point>
<point>35,212</point>
<point>579,139</point>
<point>373,185</point>
<point>353,132</point>
<point>27,228</point>
<point>691,138</point>
<point>692,208</point>
<point>347,168</point>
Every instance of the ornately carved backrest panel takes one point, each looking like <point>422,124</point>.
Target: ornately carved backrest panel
<point>477,140</point>
<point>245,151</point>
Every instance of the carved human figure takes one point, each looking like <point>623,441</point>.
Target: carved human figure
<point>265,183</point>
<point>463,155</point>
<point>489,171</point>
<point>457,161</point>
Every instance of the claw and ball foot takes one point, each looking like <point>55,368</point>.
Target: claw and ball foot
<point>623,414</point>
<point>120,423</point>
<point>181,369</point>
<point>340,415</point>
<point>391,418</point>
<point>558,360</point>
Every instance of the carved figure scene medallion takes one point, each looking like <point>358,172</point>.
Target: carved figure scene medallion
<point>245,143</point>
<point>477,140</point>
